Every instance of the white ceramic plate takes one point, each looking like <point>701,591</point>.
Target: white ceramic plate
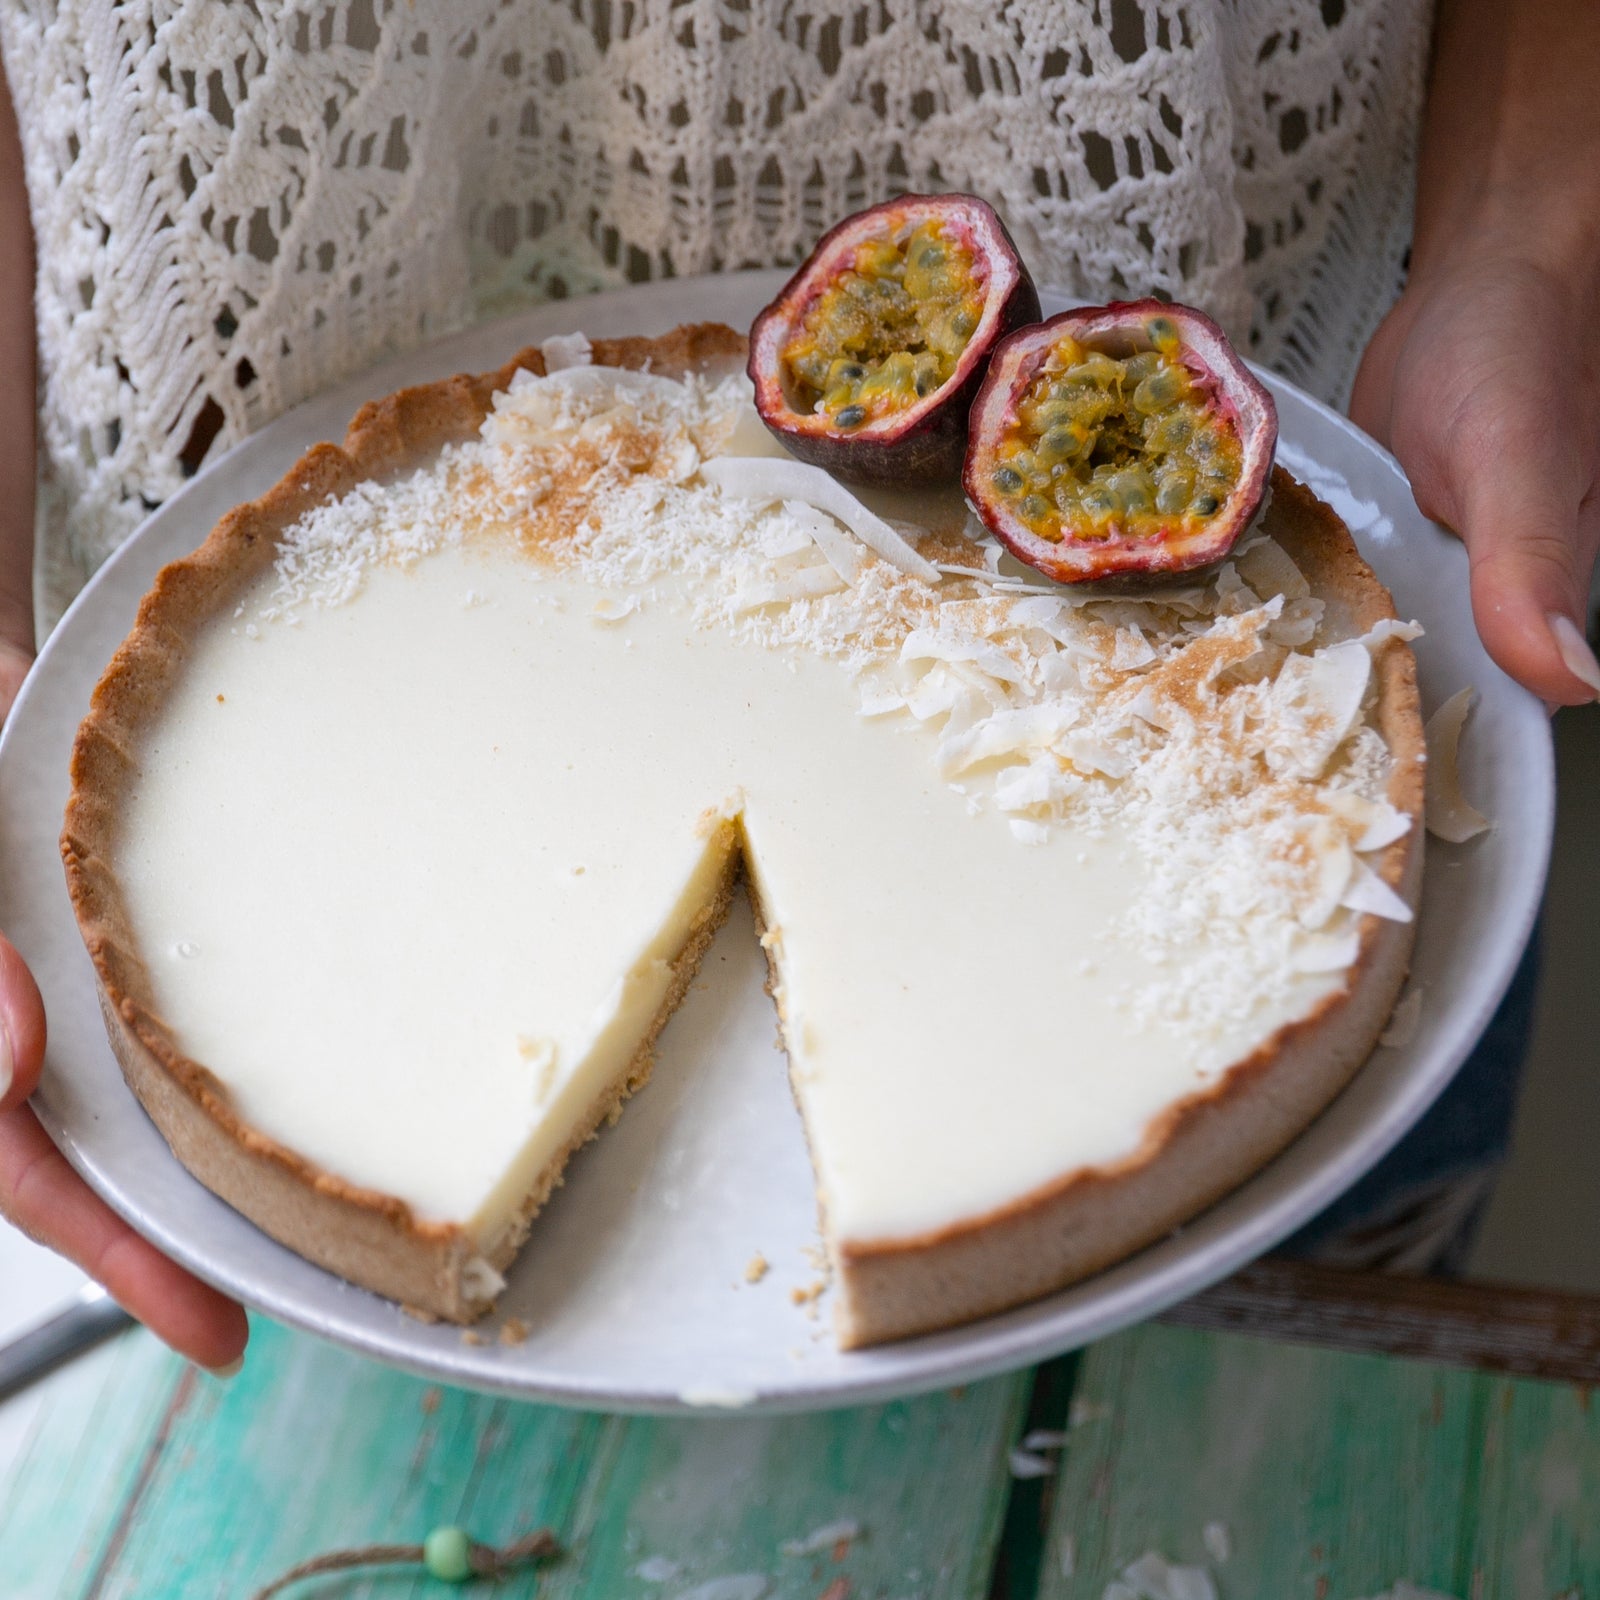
<point>632,1287</point>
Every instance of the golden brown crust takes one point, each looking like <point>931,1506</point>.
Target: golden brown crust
<point>1197,1151</point>
<point>372,1238</point>
<point>1202,1147</point>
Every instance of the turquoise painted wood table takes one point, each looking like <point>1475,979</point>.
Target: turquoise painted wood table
<point>1292,1433</point>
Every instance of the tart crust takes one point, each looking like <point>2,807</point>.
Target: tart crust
<point>1199,1149</point>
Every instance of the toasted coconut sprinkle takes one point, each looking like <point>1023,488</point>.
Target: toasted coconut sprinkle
<point>1211,729</point>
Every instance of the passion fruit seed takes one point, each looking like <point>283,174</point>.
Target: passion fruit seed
<point>889,331</point>
<point>1174,491</point>
<point>1106,439</point>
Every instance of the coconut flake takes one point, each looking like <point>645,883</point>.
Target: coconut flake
<point>1269,569</point>
<point>1387,628</point>
<point>1153,1577</point>
<point>1378,823</point>
<point>656,1569</point>
<point>1366,891</point>
<point>1403,1020</point>
<point>609,609</point>
<point>760,478</point>
<point>1215,1537</point>
<point>1067,1555</point>
<point>1045,1439</point>
<point>564,350</point>
<point>1334,865</point>
<point>723,1397</point>
<point>1026,1464</point>
<point>1450,815</point>
<point>1320,696</point>
<point>809,583</point>
<point>927,644</point>
<point>845,556</point>
<point>736,1586</point>
<point>822,1538</point>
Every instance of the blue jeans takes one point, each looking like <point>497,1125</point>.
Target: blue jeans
<point>1418,1210</point>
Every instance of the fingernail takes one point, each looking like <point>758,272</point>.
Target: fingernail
<point>7,1060</point>
<point>1575,652</point>
<point>232,1370</point>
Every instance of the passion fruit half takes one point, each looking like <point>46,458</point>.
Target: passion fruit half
<point>1119,440</point>
<point>867,362</point>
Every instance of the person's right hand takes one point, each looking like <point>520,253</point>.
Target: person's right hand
<point>41,1193</point>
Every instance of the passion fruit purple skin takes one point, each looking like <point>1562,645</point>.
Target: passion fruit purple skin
<point>1236,397</point>
<point>926,442</point>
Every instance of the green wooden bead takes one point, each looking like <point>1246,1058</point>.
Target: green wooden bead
<point>448,1554</point>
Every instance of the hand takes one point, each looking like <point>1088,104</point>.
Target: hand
<point>50,1202</point>
<point>1485,381</point>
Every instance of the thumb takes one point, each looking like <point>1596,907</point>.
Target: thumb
<point>22,1029</point>
<point>1532,535</point>
<point>1530,589</point>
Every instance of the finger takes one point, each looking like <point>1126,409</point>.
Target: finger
<point>21,1028</point>
<point>1532,538</point>
<point>41,1193</point>
<point>14,665</point>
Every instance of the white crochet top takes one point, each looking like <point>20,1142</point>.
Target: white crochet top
<point>237,204</point>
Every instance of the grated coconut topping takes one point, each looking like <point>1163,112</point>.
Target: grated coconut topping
<point>1214,730</point>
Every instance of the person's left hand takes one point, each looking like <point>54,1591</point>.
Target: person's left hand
<point>1485,381</point>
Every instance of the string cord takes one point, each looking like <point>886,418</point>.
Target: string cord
<point>486,1561</point>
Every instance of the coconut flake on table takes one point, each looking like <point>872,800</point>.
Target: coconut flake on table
<point>826,1537</point>
<point>1045,1439</point>
<point>1028,1464</point>
<point>735,1586</point>
<point>656,1569</point>
<point>1067,1556</point>
<point>1153,1577</point>
<point>1450,815</point>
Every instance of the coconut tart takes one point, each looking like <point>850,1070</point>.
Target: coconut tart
<point>402,817</point>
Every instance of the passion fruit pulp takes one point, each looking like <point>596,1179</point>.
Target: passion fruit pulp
<point>868,361</point>
<point>1119,440</point>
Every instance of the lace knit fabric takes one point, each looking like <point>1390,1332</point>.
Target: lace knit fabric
<point>236,204</point>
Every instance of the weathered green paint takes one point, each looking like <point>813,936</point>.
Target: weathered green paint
<point>1538,1491</point>
<point>205,1489</point>
<point>1335,1475</point>
<point>71,1490</point>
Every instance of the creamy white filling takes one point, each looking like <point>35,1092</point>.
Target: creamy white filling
<point>425,824</point>
<point>410,884</point>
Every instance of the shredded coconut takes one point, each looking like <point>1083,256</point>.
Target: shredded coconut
<point>1210,730</point>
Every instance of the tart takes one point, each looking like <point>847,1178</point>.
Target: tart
<point>402,817</point>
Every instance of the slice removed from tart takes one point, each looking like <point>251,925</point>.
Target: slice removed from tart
<point>402,817</point>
